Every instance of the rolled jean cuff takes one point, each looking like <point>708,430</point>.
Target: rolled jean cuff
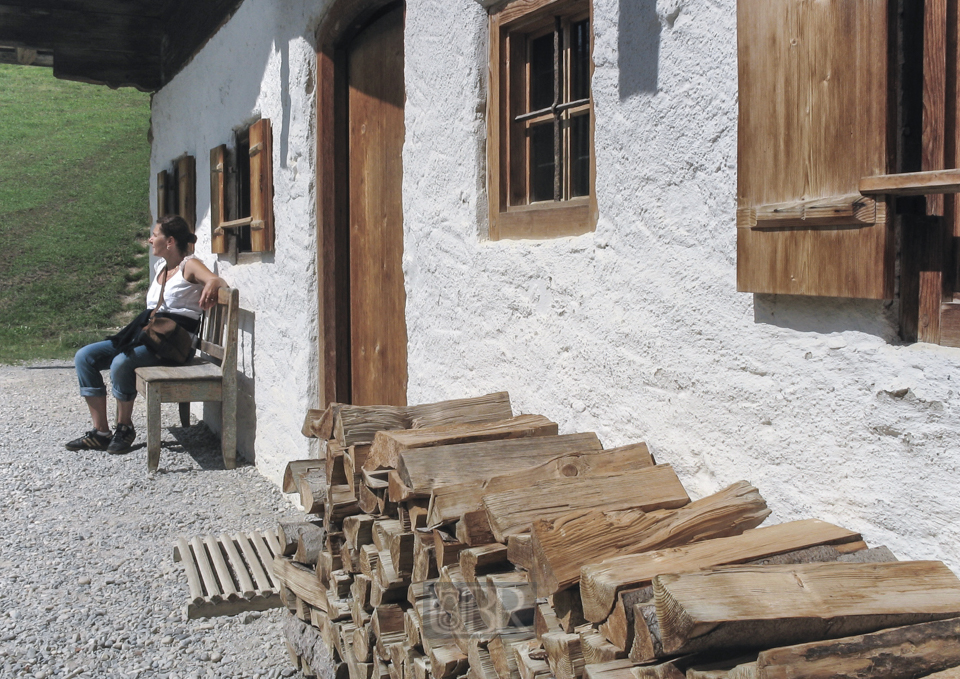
<point>93,391</point>
<point>123,397</point>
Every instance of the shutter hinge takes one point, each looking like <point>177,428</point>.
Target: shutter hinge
<point>256,148</point>
<point>256,225</point>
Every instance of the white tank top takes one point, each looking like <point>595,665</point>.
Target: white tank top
<point>179,295</point>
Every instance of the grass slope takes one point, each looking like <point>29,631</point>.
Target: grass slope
<point>74,211</point>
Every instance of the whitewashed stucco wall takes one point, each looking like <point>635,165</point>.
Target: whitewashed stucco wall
<point>260,64</point>
<point>635,331</point>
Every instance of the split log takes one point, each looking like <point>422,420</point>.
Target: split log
<point>646,641</point>
<point>340,503</point>
<point>446,548</point>
<point>313,491</point>
<point>422,469</point>
<point>300,580</point>
<point>335,468</point>
<point>532,661</point>
<point>502,653</point>
<point>740,606</point>
<point>297,468</point>
<point>520,550</point>
<point>360,591</point>
<point>473,529</point>
<point>569,609</point>
<point>349,559</point>
<point>508,600</point>
<point>618,627</point>
<point>358,530</point>
<point>596,649</point>
<point>615,669</point>
<point>545,620</point>
<point>388,445</point>
<point>600,582</point>
<point>309,546</point>
<point>476,561</point>
<point>564,654</point>
<point>319,423</point>
<point>421,668</point>
<point>369,499</point>
<point>913,651</point>
<point>450,502</point>
<point>411,627</point>
<point>358,424</point>
<point>692,667</point>
<point>514,511</point>
<point>487,408</point>
<point>424,562</point>
<point>446,660</point>
<point>288,532</point>
<point>308,644</point>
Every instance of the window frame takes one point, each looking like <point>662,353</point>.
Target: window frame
<point>511,27</point>
<point>177,190</point>
<point>241,192</point>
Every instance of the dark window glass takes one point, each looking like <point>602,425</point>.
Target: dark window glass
<point>541,72</point>
<point>541,162</point>
<point>580,156</point>
<point>243,191</point>
<point>580,60</point>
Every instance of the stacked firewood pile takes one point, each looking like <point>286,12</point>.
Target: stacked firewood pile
<point>456,540</point>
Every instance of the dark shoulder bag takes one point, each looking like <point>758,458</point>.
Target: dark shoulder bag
<point>166,338</point>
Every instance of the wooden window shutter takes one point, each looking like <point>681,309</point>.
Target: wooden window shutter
<point>218,239</point>
<point>161,194</point>
<point>261,186</point>
<point>187,190</point>
<point>816,115</point>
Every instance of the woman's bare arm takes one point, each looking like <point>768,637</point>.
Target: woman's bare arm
<point>196,271</point>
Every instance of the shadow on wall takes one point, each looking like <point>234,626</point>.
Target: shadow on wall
<point>639,47</point>
<point>825,315</point>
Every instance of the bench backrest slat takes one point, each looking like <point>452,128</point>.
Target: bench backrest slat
<point>218,340</point>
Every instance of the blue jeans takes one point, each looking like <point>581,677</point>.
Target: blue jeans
<point>93,358</point>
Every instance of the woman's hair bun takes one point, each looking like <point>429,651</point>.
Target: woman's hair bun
<point>192,238</point>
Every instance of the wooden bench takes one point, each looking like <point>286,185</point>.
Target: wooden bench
<point>210,376</point>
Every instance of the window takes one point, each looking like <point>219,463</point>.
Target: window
<point>846,135</point>
<point>540,120</point>
<point>177,190</point>
<point>241,192</point>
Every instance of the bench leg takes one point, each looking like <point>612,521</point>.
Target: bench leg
<point>228,427</point>
<point>184,414</point>
<point>153,427</point>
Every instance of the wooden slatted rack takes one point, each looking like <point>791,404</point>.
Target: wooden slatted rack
<point>229,574</point>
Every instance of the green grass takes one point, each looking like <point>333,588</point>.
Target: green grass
<point>74,211</point>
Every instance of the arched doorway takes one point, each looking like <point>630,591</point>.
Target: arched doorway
<point>360,130</point>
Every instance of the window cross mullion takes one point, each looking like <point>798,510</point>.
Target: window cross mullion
<point>557,98</point>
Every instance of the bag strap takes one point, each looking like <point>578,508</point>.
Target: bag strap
<point>160,301</point>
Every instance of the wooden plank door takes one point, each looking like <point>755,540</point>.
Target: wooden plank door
<point>375,94</point>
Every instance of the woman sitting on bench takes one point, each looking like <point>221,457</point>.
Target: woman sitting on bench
<point>189,287</point>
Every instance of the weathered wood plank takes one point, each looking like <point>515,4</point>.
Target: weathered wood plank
<point>562,546</point>
<point>355,425</point>
<point>388,445</point>
<point>743,606</point>
<point>514,511</point>
<point>600,582</point>
<point>424,468</point>
<point>450,502</point>
<point>912,651</point>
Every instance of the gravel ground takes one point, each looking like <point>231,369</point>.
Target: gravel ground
<point>88,585</point>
